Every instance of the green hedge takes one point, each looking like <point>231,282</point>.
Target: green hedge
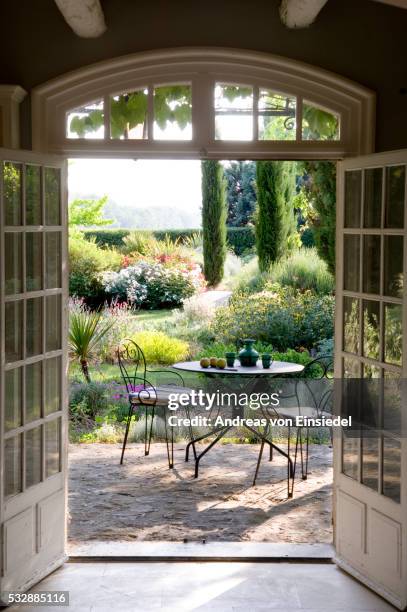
<point>239,238</point>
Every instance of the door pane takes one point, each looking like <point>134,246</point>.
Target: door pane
<point>34,327</point>
<point>276,116</point>
<point>33,391</point>
<point>13,326</point>
<point>33,212</point>
<point>370,371</point>
<point>370,459</point>
<point>12,193</point>
<point>52,447</point>
<point>53,323</point>
<point>351,368</point>
<point>13,471</point>
<point>13,399</point>
<point>52,196</point>
<point>371,264</point>
<point>13,263</point>
<point>351,325</point>
<point>33,261</point>
<point>350,455</point>
<point>353,196</point>
<point>371,329</point>
<point>52,385</point>
<point>33,457</point>
<point>53,260</point>
<point>351,263</point>
<point>393,266</point>
<point>393,334</point>
<point>373,198</point>
<point>395,186</point>
<point>391,468</point>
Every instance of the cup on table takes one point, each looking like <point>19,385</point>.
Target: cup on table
<point>230,359</point>
<point>266,360</point>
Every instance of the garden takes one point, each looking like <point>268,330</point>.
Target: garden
<point>267,241</point>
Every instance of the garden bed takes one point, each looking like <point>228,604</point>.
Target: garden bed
<point>143,500</point>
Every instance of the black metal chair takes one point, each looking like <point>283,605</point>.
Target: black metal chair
<point>142,393</point>
<point>312,394</point>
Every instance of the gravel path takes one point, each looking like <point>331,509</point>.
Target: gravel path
<point>144,500</point>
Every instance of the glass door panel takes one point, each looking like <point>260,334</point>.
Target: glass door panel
<point>395,196</point>
<point>33,202</point>
<point>13,263</point>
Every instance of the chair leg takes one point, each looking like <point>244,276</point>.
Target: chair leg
<point>305,475</point>
<point>258,462</point>
<point>271,446</point>
<point>147,438</point>
<point>126,433</point>
<point>289,468</point>
<point>170,444</point>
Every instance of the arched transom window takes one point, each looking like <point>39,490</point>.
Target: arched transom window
<point>203,103</point>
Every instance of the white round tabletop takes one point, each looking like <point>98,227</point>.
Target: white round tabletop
<point>276,368</point>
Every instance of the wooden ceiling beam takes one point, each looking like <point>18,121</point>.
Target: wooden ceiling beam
<point>300,13</point>
<point>85,17</point>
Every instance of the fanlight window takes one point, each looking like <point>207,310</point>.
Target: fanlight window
<point>241,112</point>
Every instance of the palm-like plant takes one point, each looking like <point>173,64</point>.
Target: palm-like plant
<point>86,330</point>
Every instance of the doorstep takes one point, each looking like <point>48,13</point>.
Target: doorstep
<point>199,551</point>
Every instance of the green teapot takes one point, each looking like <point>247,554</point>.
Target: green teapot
<point>248,356</point>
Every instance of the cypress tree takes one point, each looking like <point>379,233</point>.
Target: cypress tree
<point>214,214</point>
<point>322,190</point>
<point>275,220</point>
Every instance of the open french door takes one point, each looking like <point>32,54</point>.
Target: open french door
<point>33,415</point>
<point>370,469</point>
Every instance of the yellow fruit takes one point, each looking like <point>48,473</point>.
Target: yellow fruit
<point>204,363</point>
<point>213,361</point>
<point>221,363</point>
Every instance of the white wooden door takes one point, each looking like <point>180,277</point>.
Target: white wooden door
<point>33,294</point>
<point>370,473</point>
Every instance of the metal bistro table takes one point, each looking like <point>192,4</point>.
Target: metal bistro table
<point>277,368</point>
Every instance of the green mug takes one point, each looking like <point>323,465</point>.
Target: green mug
<point>230,359</point>
<point>266,360</point>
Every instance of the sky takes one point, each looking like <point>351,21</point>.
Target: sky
<point>140,183</point>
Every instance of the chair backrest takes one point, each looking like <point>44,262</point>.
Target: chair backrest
<point>314,386</point>
<point>132,364</point>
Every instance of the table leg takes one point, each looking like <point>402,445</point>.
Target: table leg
<point>199,457</point>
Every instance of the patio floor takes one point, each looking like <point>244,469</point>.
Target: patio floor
<point>144,500</point>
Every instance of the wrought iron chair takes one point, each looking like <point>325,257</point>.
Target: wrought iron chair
<point>312,398</point>
<point>142,393</point>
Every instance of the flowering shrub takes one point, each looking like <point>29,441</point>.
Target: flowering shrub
<point>154,284</point>
<point>283,317</point>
